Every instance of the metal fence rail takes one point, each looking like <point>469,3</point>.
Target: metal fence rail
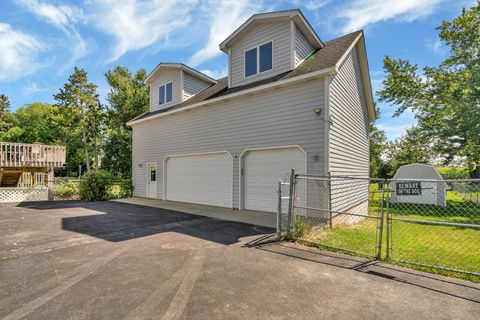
<point>428,223</point>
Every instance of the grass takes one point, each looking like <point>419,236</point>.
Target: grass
<point>444,246</point>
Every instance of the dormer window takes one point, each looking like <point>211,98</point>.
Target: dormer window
<point>165,93</point>
<point>259,59</point>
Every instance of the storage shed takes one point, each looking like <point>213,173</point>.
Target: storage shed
<point>419,184</point>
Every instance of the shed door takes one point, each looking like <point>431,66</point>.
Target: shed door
<point>203,179</point>
<point>262,170</point>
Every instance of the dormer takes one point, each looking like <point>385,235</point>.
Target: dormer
<point>173,83</point>
<point>267,45</point>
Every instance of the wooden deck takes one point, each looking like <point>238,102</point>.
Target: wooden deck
<point>24,155</point>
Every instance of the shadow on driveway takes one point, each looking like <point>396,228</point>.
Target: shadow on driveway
<point>450,286</point>
<point>114,221</point>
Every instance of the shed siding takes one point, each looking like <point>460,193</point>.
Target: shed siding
<point>192,85</point>
<point>349,142</point>
<point>280,34</point>
<point>274,118</point>
<point>302,47</point>
<point>163,77</point>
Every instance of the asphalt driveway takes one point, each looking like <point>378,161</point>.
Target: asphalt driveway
<point>111,260</point>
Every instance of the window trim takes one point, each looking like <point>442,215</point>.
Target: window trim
<point>164,93</point>
<point>258,60</point>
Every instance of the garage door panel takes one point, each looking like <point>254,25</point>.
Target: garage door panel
<point>203,179</point>
<point>262,171</point>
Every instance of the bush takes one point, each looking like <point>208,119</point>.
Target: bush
<point>66,190</point>
<point>121,189</point>
<point>453,172</point>
<point>96,185</point>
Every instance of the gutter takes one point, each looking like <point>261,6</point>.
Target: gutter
<point>265,87</point>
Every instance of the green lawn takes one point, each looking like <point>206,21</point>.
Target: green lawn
<point>444,246</point>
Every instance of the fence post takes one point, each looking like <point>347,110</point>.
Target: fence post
<point>387,185</point>
<point>330,214</point>
<point>290,202</point>
<point>279,210</point>
<point>50,183</point>
<point>382,221</point>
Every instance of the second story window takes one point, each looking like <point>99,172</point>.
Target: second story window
<point>259,59</point>
<point>165,93</point>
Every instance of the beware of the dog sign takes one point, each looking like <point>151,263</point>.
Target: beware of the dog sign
<point>409,188</point>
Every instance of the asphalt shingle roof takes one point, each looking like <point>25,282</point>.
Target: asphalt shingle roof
<point>325,57</point>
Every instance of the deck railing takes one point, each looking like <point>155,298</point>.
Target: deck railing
<point>31,155</point>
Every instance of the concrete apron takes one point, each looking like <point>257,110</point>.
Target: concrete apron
<point>264,219</point>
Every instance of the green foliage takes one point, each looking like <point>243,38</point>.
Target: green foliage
<point>101,185</point>
<point>128,97</point>
<point>446,99</point>
<point>5,115</point>
<point>453,172</point>
<point>95,185</point>
<point>78,103</point>
<point>378,146</point>
<point>67,190</point>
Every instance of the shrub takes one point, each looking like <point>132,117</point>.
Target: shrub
<point>453,172</point>
<point>66,190</point>
<point>121,189</point>
<point>96,185</point>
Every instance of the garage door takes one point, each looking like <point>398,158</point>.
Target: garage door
<point>262,170</point>
<point>203,179</point>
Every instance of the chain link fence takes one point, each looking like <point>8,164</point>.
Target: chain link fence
<point>434,223</point>
<point>427,223</point>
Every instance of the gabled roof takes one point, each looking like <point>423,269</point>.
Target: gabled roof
<point>180,66</point>
<point>323,61</point>
<point>295,15</point>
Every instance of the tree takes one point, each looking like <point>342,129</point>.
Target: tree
<point>78,102</point>
<point>446,99</point>
<point>378,146</point>
<point>128,97</point>
<point>412,147</point>
<point>5,116</point>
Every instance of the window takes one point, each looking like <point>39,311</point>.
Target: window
<point>165,93</point>
<point>259,59</point>
<point>266,57</point>
<point>153,174</point>
<point>251,62</point>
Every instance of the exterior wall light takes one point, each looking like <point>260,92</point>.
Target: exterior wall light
<point>317,111</point>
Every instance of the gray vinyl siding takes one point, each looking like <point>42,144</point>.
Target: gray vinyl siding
<point>348,139</point>
<point>192,85</point>
<point>163,77</point>
<point>302,47</point>
<point>280,34</point>
<point>274,118</point>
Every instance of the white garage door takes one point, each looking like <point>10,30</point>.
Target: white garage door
<point>262,170</point>
<point>204,179</point>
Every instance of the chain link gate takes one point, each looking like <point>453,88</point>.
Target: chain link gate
<point>424,223</point>
<point>336,213</point>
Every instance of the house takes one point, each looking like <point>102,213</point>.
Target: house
<point>290,100</point>
<point>26,170</point>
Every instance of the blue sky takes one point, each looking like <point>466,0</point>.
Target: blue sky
<point>42,40</point>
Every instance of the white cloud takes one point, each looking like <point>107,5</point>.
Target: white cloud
<point>33,87</point>
<point>19,53</point>
<point>437,47</point>
<point>138,24</point>
<point>362,13</point>
<point>215,74</point>
<point>57,15</point>
<point>224,17</point>
<point>64,18</point>
<point>316,4</point>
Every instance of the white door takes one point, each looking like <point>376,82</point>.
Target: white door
<point>262,169</point>
<point>203,179</point>
<point>152,180</point>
